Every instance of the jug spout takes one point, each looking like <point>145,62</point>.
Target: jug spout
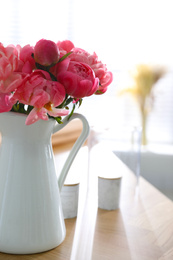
<point>79,142</point>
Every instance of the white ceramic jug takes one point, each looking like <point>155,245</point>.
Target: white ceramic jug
<point>31,218</point>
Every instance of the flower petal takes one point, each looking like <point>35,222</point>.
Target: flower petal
<point>58,112</point>
<point>35,115</point>
<point>5,102</point>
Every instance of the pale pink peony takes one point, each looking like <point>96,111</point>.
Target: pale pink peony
<point>81,55</point>
<point>78,79</point>
<point>11,83</point>
<point>44,95</point>
<point>35,80</point>
<point>8,61</point>
<point>11,54</point>
<point>9,78</point>
<point>26,62</point>
<point>105,77</point>
<point>65,47</point>
<point>46,52</point>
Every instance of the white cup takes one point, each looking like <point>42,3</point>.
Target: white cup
<point>109,192</point>
<point>69,200</point>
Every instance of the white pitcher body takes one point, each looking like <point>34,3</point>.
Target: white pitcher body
<point>31,218</point>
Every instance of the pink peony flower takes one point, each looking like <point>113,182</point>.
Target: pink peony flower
<point>40,78</point>
<point>9,79</point>
<point>8,61</point>
<point>26,62</point>
<point>81,55</point>
<point>11,54</point>
<point>65,47</point>
<point>46,52</point>
<point>34,81</point>
<point>39,91</point>
<point>78,79</point>
<point>105,77</point>
<point>11,83</point>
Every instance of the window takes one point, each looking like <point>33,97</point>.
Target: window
<point>122,32</point>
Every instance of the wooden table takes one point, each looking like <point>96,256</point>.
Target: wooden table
<point>141,229</point>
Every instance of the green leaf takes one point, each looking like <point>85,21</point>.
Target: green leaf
<point>41,67</point>
<point>58,119</point>
<point>80,102</point>
<point>52,76</point>
<point>98,92</point>
<point>68,101</point>
<point>65,102</point>
<point>65,56</point>
<point>71,113</point>
<point>15,107</point>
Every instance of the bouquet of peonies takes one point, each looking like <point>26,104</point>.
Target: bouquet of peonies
<point>42,81</point>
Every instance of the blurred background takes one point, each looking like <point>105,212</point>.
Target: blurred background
<point>124,34</point>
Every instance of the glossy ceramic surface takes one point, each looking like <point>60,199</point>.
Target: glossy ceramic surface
<point>31,218</point>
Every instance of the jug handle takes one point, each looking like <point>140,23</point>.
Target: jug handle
<point>77,145</point>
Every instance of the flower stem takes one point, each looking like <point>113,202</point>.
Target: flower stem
<point>144,125</point>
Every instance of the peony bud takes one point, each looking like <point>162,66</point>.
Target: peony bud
<point>46,53</point>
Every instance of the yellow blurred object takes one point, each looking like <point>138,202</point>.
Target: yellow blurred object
<point>144,78</point>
